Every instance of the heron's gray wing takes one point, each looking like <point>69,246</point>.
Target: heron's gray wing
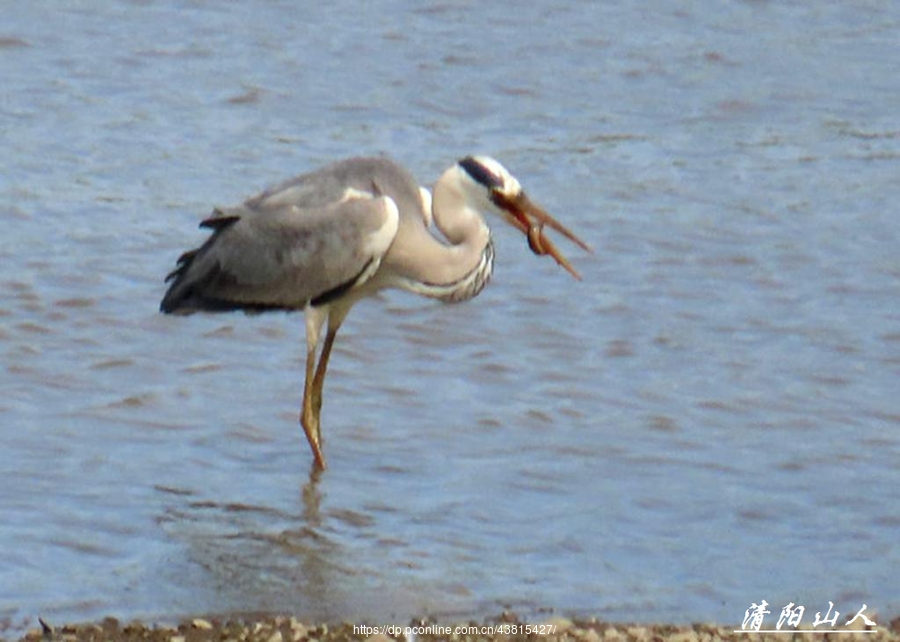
<point>283,256</point>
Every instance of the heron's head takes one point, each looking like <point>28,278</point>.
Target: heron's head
<point>488,183</point>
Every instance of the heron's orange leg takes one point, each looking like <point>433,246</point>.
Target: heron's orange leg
<point>315,372</point>
<point>319,379</point>
<point>309,415</point>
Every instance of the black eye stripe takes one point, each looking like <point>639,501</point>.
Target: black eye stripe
<point>480,173</point>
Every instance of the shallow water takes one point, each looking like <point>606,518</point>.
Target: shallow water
<point>709,419</point>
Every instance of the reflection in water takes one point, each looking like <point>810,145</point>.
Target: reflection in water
<point>289,562</point>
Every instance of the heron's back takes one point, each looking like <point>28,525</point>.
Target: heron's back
<point>309,239</point>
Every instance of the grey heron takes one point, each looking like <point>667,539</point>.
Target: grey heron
<point>321,241</point>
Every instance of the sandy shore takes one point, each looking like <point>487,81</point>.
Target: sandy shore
<point>504,628</point>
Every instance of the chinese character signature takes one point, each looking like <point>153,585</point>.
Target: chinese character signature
<point>792,614</point>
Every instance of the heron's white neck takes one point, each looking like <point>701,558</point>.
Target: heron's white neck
<point>455,212</point>
<point>451,271</point>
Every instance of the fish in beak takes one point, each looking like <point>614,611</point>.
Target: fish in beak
<point>530,219</point>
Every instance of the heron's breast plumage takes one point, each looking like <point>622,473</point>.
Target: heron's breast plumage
<point>463,289</point>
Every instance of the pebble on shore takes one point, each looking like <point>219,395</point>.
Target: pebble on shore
<point>291,629</point>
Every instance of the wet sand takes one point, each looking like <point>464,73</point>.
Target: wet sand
<point>507,627</point>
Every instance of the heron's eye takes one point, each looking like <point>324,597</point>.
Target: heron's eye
<point>481,174</point>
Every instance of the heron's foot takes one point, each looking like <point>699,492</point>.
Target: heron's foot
<point>310,423</point>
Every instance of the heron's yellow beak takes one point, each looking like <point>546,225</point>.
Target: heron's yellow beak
<point>530,219</point>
